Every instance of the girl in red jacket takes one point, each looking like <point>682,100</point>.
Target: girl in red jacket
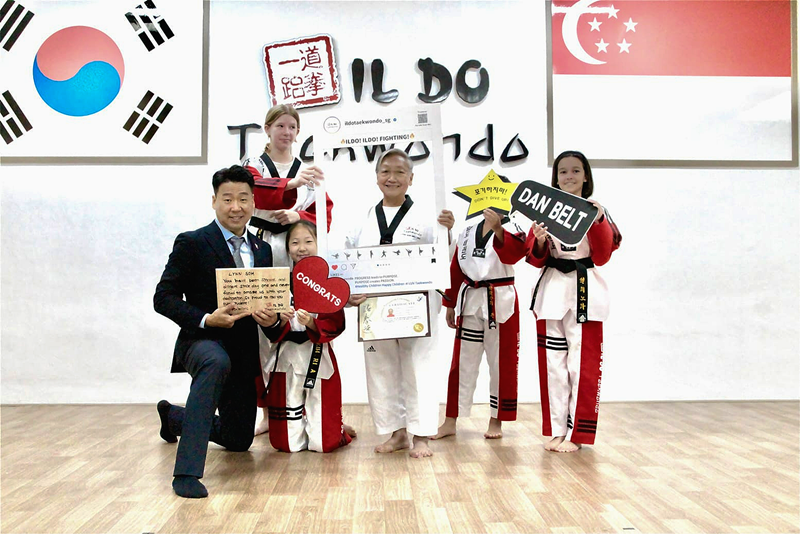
<point>304,407</point>
<point>570,303</point>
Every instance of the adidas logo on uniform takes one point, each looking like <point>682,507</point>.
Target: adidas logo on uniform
<point>371,349</point>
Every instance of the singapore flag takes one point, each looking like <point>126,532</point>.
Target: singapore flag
<point>673,80</point>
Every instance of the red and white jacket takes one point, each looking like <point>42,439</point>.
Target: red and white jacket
<point>294,357</point>
<point>557,291</point>
<point>482,261</point>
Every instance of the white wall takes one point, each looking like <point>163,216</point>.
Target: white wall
<point>704,288</point>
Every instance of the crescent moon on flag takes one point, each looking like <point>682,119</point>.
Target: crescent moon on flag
<point>569,31</point>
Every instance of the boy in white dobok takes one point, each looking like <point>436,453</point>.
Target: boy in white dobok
<point>482,306</point>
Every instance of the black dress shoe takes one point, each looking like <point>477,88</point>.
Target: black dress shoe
<point>189,487</point>
<point>163,412</point>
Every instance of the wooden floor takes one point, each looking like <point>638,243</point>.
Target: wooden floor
<point>657,467</point>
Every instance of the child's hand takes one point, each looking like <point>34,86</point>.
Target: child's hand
<point>287,316</point>
<point>600,210</point>
<point>450,317</point>
<point>356,299</point>
<point>446,219</point>
<point>313,175</point>
<point>493,219</point>
<point>265,317</point>
<point>310,176</point>
<point>539,232</point>
<point>286,216</point>
<point>304,318</point>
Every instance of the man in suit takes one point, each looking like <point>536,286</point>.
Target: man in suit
<point>218,347</point>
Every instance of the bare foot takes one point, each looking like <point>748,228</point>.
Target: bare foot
<point>421,449</point>
<point>495,430</point>
<point>555,442</point>
<point>349,430</point>
<point>568,446</point>
<point>262,427</point>
<point>398,441</point>
<point>448,428</point>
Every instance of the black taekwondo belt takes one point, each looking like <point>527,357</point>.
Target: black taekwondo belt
<point>296,337</point>
<point>489,285</point>
<point>313,366</point>
<point>566,267</point>
<point>263,224</point>
<point>316,356</point>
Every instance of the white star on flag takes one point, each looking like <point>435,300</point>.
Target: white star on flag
<point>602,46</point>
<point>630,26</point>
<point>624,46</point>
<point>612,12</point>
<point>595,25</point>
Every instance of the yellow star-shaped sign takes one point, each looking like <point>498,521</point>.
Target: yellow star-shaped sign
<point>494,191</point>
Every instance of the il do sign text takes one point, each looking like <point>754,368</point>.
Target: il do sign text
<point>430,70</point>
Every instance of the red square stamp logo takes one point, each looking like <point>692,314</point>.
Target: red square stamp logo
<point>302,72</point>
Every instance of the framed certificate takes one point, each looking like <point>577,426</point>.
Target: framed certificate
<point>394,317</point>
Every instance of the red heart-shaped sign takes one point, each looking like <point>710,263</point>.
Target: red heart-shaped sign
<point>314,291</point>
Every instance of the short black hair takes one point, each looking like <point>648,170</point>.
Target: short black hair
<point>588,185</point>
<point>234,173</point>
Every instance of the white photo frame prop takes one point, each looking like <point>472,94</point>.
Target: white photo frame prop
<point>387,268</point>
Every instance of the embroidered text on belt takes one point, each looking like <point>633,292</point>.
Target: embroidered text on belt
<point>316,356</point>
<point>490,297</point>
<point>567,266</point>
<point>313,364</point>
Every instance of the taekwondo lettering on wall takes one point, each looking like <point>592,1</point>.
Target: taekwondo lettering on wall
<point>568,217</point>
<point>481,151</point>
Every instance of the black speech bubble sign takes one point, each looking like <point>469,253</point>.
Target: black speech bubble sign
<point>566,216</point>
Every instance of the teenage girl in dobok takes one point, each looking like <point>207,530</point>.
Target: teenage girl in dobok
<point>570,303</point>
<point>304,406</point>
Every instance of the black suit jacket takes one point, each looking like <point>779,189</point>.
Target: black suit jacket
<point>190,273</point>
